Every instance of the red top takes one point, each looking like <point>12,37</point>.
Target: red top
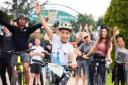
<point>101,48</point>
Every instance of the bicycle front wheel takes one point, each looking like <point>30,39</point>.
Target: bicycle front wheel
<point>97,80</point>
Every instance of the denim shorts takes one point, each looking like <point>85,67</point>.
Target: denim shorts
<point>81,67</point>
<point>25,58</point>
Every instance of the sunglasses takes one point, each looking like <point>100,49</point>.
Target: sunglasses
<point>85,37</point>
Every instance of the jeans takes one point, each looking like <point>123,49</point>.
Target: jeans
<point>88,62</point>
<point>126,76</point>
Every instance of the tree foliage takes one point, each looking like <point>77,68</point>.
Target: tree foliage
<point>20,7</point>
<point>117,15</point>
<point>4,14</point>
<point>82,20</point>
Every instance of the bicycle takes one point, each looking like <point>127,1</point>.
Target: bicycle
<point>18,72</point>
<point>97,80</point>
<point>60,74</point>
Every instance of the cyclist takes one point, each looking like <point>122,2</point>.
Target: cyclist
<point>5,59</point>
<point>121,55</point>
<point>60,45</point>
<point>101,50</point>
<point>20,34</point>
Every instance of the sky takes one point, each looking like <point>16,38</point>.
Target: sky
<point>97,8</point>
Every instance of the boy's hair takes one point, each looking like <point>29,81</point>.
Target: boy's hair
<point>120,36</point>
<point>21,16</point>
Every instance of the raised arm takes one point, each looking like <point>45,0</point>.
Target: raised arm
<point>5,23</point>
<point>33,28</point>
<point>114,37</point>
<point>109,53</point>
<point>47,29</point>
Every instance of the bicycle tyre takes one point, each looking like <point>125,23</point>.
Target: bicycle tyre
<point>13,78</point>
<point>97,80</point>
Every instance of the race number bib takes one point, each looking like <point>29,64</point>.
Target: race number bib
<point>55,68</point>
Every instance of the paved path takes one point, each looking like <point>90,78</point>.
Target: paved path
<point>72,81</point>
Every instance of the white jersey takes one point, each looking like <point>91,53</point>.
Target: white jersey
<point>55,40</point>
<point>37,57</point>
<point>64,50</point>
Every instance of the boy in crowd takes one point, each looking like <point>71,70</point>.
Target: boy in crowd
<point>120,60</point>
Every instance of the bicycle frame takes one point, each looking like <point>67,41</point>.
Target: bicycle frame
<point>97,80</point>
<point>97,77</point>
<point>18,75</point>
<point>20,70</point>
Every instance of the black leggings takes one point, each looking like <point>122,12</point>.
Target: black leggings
<point>119,74</point>
<point>5,65</point>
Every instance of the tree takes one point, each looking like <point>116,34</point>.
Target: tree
<point>82,20</point>
<point>20,7</point>
<point>4,14</point>
<point>117,15</point>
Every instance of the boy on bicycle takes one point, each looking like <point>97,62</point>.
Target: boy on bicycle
<point>60,45</point>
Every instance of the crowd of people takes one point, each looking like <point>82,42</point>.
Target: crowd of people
<point>17,37</point>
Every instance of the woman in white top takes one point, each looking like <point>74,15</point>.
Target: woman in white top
<point>34,67</point>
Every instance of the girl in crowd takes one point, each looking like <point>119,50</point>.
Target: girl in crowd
<point>34,67</point>
<point>101,50</point>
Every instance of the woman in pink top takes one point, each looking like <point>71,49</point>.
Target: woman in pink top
<point>101,50</point>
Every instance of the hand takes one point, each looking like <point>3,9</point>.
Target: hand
<point>73,65</point>
<point>37,7</point>
<point>115,30</point>
<point>114,33</point>
<point>109,60</point>
<point>85,56</point>
<point>126,65</point>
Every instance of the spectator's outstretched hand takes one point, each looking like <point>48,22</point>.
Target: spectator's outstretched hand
<point>37,7</point>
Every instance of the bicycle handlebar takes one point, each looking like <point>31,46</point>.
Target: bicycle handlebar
<point>98,60</point>
<point>42,63</point>
<point>12,52</point>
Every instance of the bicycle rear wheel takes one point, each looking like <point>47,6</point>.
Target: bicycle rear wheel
<point>97,80</point>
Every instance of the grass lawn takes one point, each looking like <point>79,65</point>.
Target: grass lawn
<point>109,79</point>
